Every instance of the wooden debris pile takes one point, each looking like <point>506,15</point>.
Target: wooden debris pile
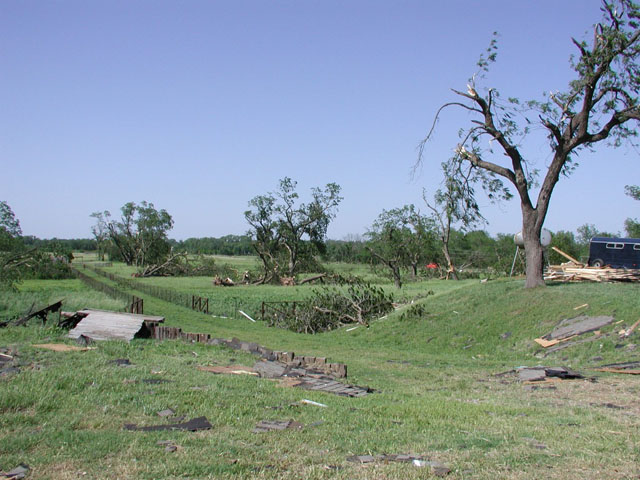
<point>571,272</point>
<point>576,271</point>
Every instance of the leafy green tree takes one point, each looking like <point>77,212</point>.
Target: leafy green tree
<point>632,225</point>
<point>287,233</point>
<point>600,104</point>
<point>15,258</point>
<point>140,236</point>
<point>454,204</point>
<point>401,238</point>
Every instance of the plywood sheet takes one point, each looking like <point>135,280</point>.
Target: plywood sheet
<point>100,325</point>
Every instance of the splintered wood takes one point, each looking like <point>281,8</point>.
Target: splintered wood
<point>571,272</point>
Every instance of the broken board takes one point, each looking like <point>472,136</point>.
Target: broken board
<point>105,325</point>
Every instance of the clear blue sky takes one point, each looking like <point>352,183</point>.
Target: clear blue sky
<point>198,106</point>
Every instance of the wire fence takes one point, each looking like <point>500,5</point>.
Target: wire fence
<point>219,307</point>
<point>132,303</point>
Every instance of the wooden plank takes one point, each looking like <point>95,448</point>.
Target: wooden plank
<point>618,370</point>
<point>144,317</point>
<point>569,257</point>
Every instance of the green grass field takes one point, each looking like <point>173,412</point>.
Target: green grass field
<point>432,364</point>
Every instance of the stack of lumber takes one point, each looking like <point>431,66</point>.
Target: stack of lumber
<point>571,272</point>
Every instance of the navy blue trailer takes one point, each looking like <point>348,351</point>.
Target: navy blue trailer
<point>615,252</point>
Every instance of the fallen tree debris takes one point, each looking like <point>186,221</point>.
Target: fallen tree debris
<point>223,282</point>
<point>272,425</point>
<point>193,425</point>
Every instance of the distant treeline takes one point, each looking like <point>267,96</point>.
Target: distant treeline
<point>476,249</point>
<point>227,245</point>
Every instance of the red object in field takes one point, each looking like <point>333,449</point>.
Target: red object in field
<point>432,266</point>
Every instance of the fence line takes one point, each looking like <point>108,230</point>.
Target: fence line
<point>227,308</point>
<point>133,304</point>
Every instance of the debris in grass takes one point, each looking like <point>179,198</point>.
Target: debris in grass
<point>361,459</point>
<point>231,369</point>
<point>581,306</point>
<point>84,340</point>
<point>247,316</point>
<point>571,327</point>
<point>121,362</point>
<point>166,413</point>
<point>62,347</point>
<point>193,425</point>
<point>169,445</point>
<point>41,314</point>
<point>21,471</point>
<point>351,329</point>
<point>537,374</point>
<point>505,335</point>
<point>437,468</point>
<point>155,381</point>
<point>311,402</point>
<point>630,368</point>
<point>535,443</point>
<point>271,425</point>
<point>630,330</point>
<point>607,405</point>
<point>291,376</point>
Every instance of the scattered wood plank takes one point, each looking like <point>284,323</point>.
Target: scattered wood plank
<point>193,425</point>
<point>230,369</point>
<point>618,370</point>
<point>567,256</point>
<point>571,327</point>
<point>244,314</point>
<point>62,347</point>
<point>630,330</point>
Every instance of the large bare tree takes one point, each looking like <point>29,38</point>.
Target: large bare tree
<point>601,103</point>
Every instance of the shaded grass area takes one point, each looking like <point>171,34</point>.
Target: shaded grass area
<point>431,364</point>
<point>38,294</point>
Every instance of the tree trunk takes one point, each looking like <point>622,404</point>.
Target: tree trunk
<point>396,274</point>
<point>451,272</point>
<point>531,229</point>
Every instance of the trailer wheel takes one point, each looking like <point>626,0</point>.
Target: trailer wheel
<point>598,262</point>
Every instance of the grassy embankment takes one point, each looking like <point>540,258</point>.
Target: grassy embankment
<point>63,413</point>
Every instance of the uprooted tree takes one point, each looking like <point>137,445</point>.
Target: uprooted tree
<point>19,261</point>
<point>286,234</point>
<point>350,300</point>
<point>140,236</point>
<point>13,256</point>
<point>600,103</point>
